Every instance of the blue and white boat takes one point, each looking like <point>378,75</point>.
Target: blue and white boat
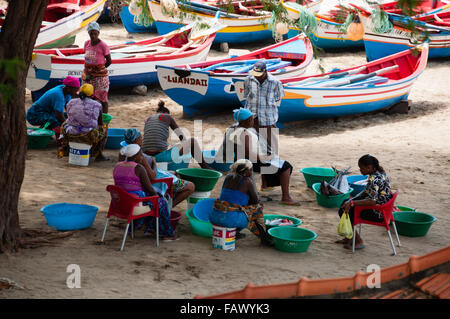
<point>207,87</point>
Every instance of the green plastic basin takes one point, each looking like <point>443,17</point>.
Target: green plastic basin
<point>39,141</point>
<point>296,221</point>
<point>405,208</point>
<point>413,224</point>
<point>107,118</point>
<point>317,174</point>
<point>203,179</point>
<point>330,201</point>
<point>198,227</point>
<point>292,239</point>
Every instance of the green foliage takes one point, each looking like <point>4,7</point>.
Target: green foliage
<point>10,67</point>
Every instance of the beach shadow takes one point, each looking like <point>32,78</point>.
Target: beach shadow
<point>323,127</point>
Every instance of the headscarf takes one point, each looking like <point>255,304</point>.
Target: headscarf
<point>131,135</point>
<point>71,81</point>
<point>87,89</point>
<point>93,26</point>
<point>241,114</point>
<point>130,150</point>
<point>240,166</point>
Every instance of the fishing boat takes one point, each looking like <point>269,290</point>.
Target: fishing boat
<point>63,19</point>
<point>436,31</point>
<point>207,87</point>
<point>133,63</point>
<point>374,86</point>
<point>243,25</point>
<point>329,33</point>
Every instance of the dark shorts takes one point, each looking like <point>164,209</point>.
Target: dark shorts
<point>273,179</point>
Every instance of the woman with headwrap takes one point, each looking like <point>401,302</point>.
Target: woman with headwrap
<point>132,177</point>
<point>238,205</point>
<point>181,189</point>
<point>50,107</point>
<point>84,124</point>
<point>97,59</point>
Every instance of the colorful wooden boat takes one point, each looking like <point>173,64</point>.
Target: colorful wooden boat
<point>401,38</point>
<point>207,87</point>
<point>244,25</point>
<point>63,19</point>
<point>133,63</point>
<point>328,34</point>
<point>374,86</point>
<point>129,22</point>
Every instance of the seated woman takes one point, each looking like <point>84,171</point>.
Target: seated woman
<point>50,106</point>
<point>242,141</point>
<point>156,135</point>
<point>84,124</point>
<point>377,192</point>
<point>238,205</point>
<point>181,189</point>
<point>133,178</point>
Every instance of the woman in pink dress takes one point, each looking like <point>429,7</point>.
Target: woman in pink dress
<point>97,59</point>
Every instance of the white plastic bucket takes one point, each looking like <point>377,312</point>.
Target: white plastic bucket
<point>196,197</point>
<point>79,154</point>
<point>162,165</point>
<point>224,238</point>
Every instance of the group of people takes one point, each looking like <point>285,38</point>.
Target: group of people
<point>79,117</point>
<point>251,144</point>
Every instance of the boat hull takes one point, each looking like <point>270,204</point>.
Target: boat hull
<point>63,32</point>
<point>129,24</point>
<point>247,29</point>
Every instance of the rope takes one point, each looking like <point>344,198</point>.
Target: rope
<point>307,20</point>
<point>380,21</point>
<point>343,28</point>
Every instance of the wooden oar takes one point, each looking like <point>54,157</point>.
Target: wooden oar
<point>328,76</point>
<point>357,78</point>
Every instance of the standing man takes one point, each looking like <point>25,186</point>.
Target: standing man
<point>262,92</point>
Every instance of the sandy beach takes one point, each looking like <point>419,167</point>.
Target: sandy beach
<point>413,148</point>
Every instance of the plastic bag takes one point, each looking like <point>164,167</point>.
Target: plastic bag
<point>345,226</point>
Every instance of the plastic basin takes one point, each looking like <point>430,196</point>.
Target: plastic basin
<point>198,227</point>
<point>115,136</point>
<point>39,141</point>
<point>296,221</point>
<point>203,208</point>
<point>66,216</point>
<point>203,179</point>
<point>317,174</point>
<point>330,201</point>
<point>209,157</point>
<point>107,118</point>
<point>356,188</point>
<point>292,239</point>
<point>174,218</point>
<point>413,224</point>
<point>405,208</point>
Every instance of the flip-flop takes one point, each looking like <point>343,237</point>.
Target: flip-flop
<point>356,247</point>
<point>290,203</point>
<point>266,189</point>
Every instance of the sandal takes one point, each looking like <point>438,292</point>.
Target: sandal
<point>343,241</point>
<point>172,238</point>
<point>361,246</point>
<point>293,203</point>
<point>266,189</point>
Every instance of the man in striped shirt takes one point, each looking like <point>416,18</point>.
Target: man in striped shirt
<point>262,92</point>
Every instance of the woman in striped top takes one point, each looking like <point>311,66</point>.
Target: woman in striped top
<point>156,135</point>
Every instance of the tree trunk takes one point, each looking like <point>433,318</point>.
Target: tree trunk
<point>17,38</point>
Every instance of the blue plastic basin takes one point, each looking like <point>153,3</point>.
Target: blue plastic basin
<point>202,209</point>
<point>66,216</point>
<point>351,179</point>
<point>209,157</point>
<point>115,137</point>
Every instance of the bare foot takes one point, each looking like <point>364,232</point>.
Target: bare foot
<point>101,158</point>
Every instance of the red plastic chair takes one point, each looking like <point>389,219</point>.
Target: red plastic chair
<point>124,205</point>
<point>386,209</point>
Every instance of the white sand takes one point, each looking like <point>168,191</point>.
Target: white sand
<point>413,148</point>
